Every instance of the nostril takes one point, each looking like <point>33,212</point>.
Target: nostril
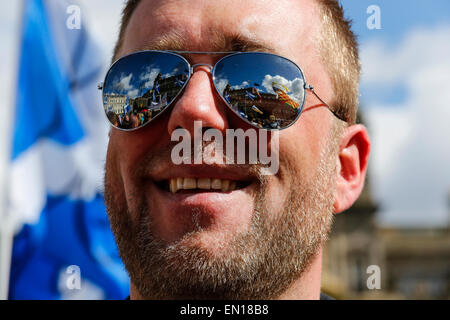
<point>204,129</point>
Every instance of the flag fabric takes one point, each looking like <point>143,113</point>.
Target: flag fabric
<point>255,108</point>
<point>227,97</point>
<point>126,108</point>
<point>154,98</point>
<point>161,104</point>
<point>179,83</point>
<point>283,97</point>
<point>249,95</point>
<point>58,149</point>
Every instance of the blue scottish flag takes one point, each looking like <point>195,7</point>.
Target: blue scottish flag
<point>58,150</point>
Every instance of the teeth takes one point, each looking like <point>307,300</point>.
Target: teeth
<point>204,183</point>
<point>216,184</point>
<point>189,183</point>
<point>173,185</point>
<point>176,184</point>
<point>225,185</point>
<point>179,183</point>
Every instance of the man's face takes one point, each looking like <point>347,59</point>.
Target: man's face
<point>251,242</point>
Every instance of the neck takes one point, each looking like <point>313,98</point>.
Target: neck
<point>307,287</point>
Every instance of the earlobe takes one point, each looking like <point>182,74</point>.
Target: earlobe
<point>353,158</point>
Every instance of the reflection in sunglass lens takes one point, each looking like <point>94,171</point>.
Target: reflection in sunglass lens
<point>140,86</point>
<point>263,89</point>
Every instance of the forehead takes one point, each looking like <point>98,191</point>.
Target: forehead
<point>283,26</point>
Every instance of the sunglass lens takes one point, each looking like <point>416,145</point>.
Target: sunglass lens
<point>265,90</point>
<point>140,86</point>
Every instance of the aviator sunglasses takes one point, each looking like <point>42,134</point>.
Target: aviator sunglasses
<point>265,90</point>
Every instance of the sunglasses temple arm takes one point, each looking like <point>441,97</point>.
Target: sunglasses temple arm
<point>311,88</point>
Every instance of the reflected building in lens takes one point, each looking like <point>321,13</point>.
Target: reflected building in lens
<point>132,112</point>
<point>261,108</point>
<point>164,90</point>
<point>115,103</point>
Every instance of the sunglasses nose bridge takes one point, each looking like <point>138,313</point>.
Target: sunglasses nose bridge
<point>197,103</point>
<point>193,67</point>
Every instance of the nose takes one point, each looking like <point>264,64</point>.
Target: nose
<point>198,103</point>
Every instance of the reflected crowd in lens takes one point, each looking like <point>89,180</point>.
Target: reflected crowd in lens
<point>262,109</point>
<point>265,90</point>
<point>126,112</point>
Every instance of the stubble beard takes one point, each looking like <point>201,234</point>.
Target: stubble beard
<point>261,263</point>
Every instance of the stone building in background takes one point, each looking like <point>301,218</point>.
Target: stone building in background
<point>414,263</point>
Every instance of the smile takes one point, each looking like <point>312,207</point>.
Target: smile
<point>178,184</point>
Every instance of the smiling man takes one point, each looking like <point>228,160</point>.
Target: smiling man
<point>220,230</point>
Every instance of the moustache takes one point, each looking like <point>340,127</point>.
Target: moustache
<point>155,161</point>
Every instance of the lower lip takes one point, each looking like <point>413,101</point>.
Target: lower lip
<point>208,201</point>
<point>183,194</point>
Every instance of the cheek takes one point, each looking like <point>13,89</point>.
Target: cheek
<point>297,153</point>
<point>133,145</point>
<point>114,187</point>
<point>301,148</point>
<point>130,147</point>
<point>125,151</point>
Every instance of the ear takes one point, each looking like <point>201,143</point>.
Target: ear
<point>354,152</point>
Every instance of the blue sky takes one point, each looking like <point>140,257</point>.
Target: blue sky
<point>404,98</point>
<point>397,16</point>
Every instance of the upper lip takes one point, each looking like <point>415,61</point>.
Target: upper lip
<point>224,172</point>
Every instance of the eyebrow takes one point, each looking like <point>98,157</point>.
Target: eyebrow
<point>220,42</point>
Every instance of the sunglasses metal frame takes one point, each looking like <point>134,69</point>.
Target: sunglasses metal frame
<point>227,54</point>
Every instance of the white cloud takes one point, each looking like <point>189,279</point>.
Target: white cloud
<point>295,86</point>
<point>243,85</point>
<point>175,71</point>
<point>222,84</point>
<point>133,93</point>
<point>149,76</point>
<point>123,84</point>
<point>410,142</point>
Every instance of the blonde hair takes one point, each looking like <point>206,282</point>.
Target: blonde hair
<point>339,51</point>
